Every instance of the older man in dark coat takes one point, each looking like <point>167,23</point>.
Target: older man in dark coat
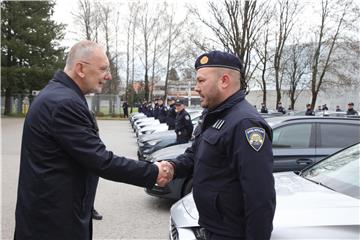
<point>62,154</point>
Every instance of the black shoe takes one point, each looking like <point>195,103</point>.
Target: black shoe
<point>96,215</point>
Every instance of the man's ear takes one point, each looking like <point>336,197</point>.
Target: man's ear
<point>79,70</point>
<point>225,80</point>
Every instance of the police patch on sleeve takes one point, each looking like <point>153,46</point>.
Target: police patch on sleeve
<point>187,117</point>
<point>255,137</point>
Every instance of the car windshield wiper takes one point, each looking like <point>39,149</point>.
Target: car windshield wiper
<point>319,183</point>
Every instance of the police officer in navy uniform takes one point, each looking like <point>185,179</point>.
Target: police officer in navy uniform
<point>62,155</point>
<point>263,108</point>
<point>125,107</point>
<point>163,111</point>
<point>171,115</point>
<point>149,110</point>
<point>351,110</point>
<point>156,109</point>
<point>183,124</point>
<point>280,108</point>
<point>309,111</point>
<point>231,157</point>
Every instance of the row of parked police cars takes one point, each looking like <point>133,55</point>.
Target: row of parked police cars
<point>316,171</point>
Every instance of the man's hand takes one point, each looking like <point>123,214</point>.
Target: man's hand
<point>166,173</point>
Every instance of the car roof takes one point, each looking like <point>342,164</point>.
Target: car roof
<point>274,121</point>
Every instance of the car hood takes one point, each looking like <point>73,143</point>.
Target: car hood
<point>158,135</point>
<point>300,204</point>
<point>155,126</point>
<point>170,152</point>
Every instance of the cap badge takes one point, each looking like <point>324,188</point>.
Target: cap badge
<point>204,60</point>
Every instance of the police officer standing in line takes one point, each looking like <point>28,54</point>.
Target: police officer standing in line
<point>263,108</point>
<point>351,110</point>
<point>231,158</point>
<point>325,108</point>
<point>280,108</point>
<point>156,109</point>
<point>142,107</point>
<point>309,111</point>
<point>171,115</point>
<point>149,110</point>
<point>125,107</point>
<point>162,114</point>
<point>183,124</point>
<point>62,155</point>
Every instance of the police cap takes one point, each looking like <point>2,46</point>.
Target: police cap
<point>351,104</point>
<point>179,102</point>
<point>218,59</point>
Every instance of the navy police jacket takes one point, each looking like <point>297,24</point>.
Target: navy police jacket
<point>171,116</point>
<point>183,126</point>
<point>231,161</point>
<point>61,159</point>
<point>162,113</point>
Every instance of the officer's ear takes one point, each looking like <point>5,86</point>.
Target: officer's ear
<point>225,80</point>
<point>79,69</point>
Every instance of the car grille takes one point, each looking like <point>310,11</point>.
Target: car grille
<point>173,231</point>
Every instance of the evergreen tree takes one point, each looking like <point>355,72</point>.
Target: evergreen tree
<point>29,49</point>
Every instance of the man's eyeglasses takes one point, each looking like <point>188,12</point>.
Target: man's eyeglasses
<point>102,69</point>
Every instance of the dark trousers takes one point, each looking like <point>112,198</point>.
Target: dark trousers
<point>211,236</point>
<point>182,139</point>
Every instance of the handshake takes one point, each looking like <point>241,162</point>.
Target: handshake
<point>166,173</point>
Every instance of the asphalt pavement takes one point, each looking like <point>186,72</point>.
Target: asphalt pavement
<point>128,212</point>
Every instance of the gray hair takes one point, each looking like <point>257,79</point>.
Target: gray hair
<point>81,50</point>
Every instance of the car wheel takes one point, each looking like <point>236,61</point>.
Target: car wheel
<point>187,187</point>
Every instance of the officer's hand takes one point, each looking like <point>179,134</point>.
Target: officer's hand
<point>166,173</point>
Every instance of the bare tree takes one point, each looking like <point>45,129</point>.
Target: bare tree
<point>111,87</point>
<point>236,26</point>
<point>286,18</point>
<point>156,53</point>
<point>147,24</point>
<point>296,67</point>
<point>133,33</point>
<point>175,31</point>
<point>263,53</point>
<point>84,17</point>
<point>333,22</point>
<point>130,31</point>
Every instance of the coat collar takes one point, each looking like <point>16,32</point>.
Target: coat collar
<point>61,77</point>
<point>210,117</point>
<point>229,102</point>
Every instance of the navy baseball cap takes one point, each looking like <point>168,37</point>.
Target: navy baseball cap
<point>218,59</point>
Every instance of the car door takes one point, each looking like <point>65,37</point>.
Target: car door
<point>293,146</point>
<point>332,137</point>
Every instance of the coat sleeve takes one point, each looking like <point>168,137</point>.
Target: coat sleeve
<point>254,169</point>
<point>184,163</point>
<point>75,133</point>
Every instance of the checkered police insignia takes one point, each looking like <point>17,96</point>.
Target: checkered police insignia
<point>218,124</point>
<point>255,137</point>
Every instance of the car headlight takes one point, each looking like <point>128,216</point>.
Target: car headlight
<point>153,142</point>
